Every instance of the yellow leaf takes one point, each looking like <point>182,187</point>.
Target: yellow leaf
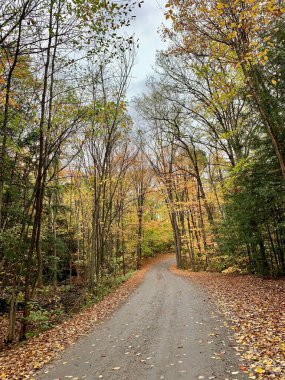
<point>274,82</point>
<point>259,370</point>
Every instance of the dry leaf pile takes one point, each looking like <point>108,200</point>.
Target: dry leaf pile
<point>256,310</point>
<point>21,361</point>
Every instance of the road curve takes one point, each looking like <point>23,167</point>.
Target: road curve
<point>167,329</point>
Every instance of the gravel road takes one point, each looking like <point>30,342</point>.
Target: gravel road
<point>167,329</point>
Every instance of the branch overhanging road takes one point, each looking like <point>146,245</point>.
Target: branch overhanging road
<point>167,329</point>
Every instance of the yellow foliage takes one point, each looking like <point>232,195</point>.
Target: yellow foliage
<point>241,28</point>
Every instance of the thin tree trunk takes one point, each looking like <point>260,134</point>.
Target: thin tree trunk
<point>140,232</point>
<point>36,232</point>
<point>4,131</point>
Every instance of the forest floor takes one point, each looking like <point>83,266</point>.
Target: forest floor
<point>254,309</point>
<point>173,325</point>
<point>21,361</point>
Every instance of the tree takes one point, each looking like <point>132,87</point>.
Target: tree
<point>240,33</point>
<point>45,44</point>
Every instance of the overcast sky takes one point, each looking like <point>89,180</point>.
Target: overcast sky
<point>145,27</point>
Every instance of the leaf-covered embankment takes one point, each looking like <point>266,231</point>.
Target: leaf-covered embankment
<point>21,361</point>
<point>255,309</point>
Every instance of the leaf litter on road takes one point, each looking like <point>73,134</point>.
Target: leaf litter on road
<point>254,309</point>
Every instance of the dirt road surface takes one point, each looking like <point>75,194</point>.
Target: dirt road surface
<point>167,329</point>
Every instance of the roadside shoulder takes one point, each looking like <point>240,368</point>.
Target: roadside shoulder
<point>254,309</point>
